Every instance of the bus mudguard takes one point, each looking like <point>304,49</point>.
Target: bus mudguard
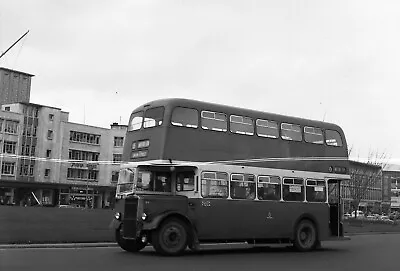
<point>156,221</point>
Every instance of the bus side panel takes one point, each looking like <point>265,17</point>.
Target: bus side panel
<point>187,144</point>
<point>233,219</point>
<point>245,219</point>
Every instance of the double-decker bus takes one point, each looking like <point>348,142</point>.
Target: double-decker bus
<point>196,172</point>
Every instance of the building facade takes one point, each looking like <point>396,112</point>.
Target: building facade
<point>365,188</point>
<point>391,175</point>
<point>10,143</point>
<point>15,86</point>
<point>48,160</point>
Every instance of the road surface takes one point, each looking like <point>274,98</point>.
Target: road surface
<point>363,252</point>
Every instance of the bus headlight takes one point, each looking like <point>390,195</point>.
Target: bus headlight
<point>117,216</point>
<point>144,216</point>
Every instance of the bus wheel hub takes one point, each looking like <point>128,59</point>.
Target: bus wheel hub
<point>172,237</point>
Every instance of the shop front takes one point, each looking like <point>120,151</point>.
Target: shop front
<point>79,197</point>
<point>23,194</point>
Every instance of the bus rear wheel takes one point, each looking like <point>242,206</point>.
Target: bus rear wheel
<point>171,238</point>
<point>305,238</point>
<point>128,245</point>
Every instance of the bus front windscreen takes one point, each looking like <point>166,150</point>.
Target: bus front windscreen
<point>126,181</point>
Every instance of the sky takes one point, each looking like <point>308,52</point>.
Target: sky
<point>335,61</point>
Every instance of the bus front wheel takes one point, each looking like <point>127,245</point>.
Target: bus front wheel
<point>305,238</point>
<point>128,245</point>
<point>171,238</point>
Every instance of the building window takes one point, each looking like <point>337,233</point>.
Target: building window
<point>114,176</point>
<point>117,157</point>
<point>9,147</point>
<point>31,167</point>
<point>7,108</point>
<point>48,153</point>
<point>118,141</point>
<point>83,155</point>
<point>81,137</point>
<point>7,168</point>
<point>51,117</point>
<point>92,175</point>
<point>25,150</point>
<point>50,134</point>
<point>23,170</point>
<point>82,174</point>
<point>47,172</point>
<point>11,127</point>
<point>75,173</point>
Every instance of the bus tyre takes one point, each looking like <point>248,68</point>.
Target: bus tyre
<point>171,237</point>
<point>128,245</point>
<point>305,238</point>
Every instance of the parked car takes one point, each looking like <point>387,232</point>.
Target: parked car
<point>360,214</point>
<point>347,216</point>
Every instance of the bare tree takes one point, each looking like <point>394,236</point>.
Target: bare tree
<point>364,176</point>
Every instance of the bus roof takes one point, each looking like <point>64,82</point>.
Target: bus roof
<point>231,110</point>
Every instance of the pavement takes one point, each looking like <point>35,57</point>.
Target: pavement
<point>59,245</point>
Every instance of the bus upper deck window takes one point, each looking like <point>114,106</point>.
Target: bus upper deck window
<point>214,121</point>
<point>267,128</point>
<point>333,138</point>
<point>241,125</point>
<point>153,117</point>
<point>186,117</point>
<point>313,135</point>
<point>136,121</point>
<point>291,132</point>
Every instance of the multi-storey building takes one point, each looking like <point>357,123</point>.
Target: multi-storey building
<point>15,86</point>
<point>391,174</point>
<point>10,142</point>
<point>364,187</point>
<point>58,162</point>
